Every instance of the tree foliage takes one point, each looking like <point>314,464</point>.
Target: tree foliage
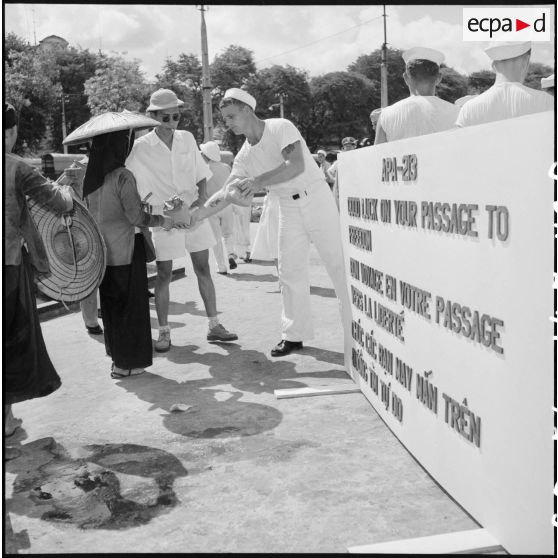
<point>118,84</point>
<point>341,104</point>
<point>266,86</point>
<point>453,85</point>
<point>31,81</point>
<point>369,65</point>
<point>535,73</point>
<point>232,68</point>
<point>479,82</point>
<point>76,67</point>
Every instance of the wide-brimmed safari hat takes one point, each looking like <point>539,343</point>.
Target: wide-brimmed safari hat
<point>164,99</point>
<point>75,250</point>
<point>109,122</point>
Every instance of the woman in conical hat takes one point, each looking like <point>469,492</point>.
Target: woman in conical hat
<point>28,371</point>
<point>114,202</point>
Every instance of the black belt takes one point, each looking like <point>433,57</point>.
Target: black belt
<point>297,196</point>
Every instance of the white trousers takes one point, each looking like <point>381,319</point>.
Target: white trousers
<point>242,229</point>
<point>222,224</point>
<point>311,218</point>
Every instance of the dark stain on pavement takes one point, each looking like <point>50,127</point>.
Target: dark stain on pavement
<point>87,491</point>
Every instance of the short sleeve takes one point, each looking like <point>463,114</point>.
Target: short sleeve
<point>286,133</point>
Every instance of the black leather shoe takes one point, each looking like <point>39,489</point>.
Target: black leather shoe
<point>95,330</point>
<point>286,347</point>
<point>232,263</point>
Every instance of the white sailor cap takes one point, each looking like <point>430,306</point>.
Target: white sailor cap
<point>507,50</point>
<point>240,95</point>
<point>423,53</point>
<point>548,82</point>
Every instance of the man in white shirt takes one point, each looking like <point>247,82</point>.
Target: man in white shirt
<point>422,112</point>
<point>166,163</point>
<point>275,156</point>
<point>222,223</point>
<point>508,97</point>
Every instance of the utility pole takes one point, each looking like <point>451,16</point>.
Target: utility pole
<point>206,83</point>
<point>64,121</point>
<point>281,105</point>
<point>383,68</point>
<point>34,28</point>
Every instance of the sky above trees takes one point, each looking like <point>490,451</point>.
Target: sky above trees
<point>317,39</point>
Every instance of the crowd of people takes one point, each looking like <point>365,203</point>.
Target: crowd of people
<point>159,196</point>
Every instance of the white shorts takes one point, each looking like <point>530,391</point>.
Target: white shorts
<point>173,244</point>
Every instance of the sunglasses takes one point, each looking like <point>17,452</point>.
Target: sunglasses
<point>166,117</point>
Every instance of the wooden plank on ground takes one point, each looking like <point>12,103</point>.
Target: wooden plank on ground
<point>312,391</point>
<point>461,542</point>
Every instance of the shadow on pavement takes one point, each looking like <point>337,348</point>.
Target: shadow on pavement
<point>211,416</point>
<point>263,262</point>
<point>252,371</point>
<point>188,307</point>
<point>88,491</point>
<point>323,291</point>
<point>207,417</point>
<point>324,355</point>
<point>267,278</point>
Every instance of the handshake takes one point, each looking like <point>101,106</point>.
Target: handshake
<point>178,216</point>
<point>231,193</point>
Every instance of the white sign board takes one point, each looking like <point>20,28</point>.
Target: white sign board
<point>449,245</point>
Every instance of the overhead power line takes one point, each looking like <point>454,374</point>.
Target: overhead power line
<point>319,40</point>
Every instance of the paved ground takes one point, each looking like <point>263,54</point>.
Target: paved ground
<point>107,467</point>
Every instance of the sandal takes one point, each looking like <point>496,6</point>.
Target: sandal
<point>118,373</point>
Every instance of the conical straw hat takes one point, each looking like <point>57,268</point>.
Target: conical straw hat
<point>109,122</point>
<point>75,249</point>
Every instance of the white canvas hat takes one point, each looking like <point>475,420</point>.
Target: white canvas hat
<point>211,150</point>
<point>423,53</point>
<point>164,99</point>
<point>240,95</point>
<point>507,50</point>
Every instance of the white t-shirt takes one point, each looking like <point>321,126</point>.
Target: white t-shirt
<point>253,160</point>
<point>416,116</point>
<point>504,100</point>
<point>166,173</point>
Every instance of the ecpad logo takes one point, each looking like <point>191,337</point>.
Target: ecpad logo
<point>506,24</point>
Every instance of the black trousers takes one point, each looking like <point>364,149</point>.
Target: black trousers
<point>125,310</point>
<point>28,371</point>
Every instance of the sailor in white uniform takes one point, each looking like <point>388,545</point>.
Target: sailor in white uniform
<point>421,113</point>
<point>508,97</point>
<point>275,156</point>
